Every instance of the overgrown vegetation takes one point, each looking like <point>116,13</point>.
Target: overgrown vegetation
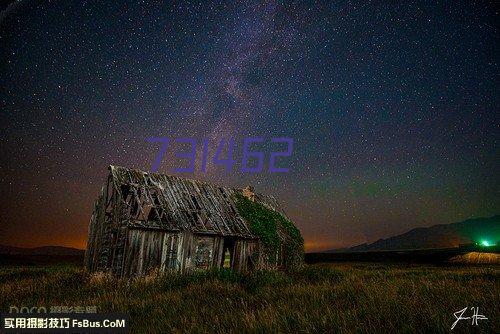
<point>265,223</point>
<point>361,298</point>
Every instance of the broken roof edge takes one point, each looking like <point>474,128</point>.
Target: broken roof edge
<point>111,168</point>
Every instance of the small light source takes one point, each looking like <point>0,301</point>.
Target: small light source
<point>485,243</point>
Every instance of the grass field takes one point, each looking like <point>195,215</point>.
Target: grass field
<point>345,298</point>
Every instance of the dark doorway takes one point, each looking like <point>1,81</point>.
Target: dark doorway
<point>228,253</point>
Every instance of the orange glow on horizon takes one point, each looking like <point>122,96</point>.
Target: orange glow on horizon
<point>81,243</point>
<point>317,246</point>
<point>76,243</point>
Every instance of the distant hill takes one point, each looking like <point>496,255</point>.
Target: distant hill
<point>437,236</point>
<point>45,250</point>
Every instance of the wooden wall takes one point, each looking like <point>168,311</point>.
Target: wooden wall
<point>243,258</point>
<point>149,250</point>
<point>107,236</point>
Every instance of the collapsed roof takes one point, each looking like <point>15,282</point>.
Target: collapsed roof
<point>160,201</point>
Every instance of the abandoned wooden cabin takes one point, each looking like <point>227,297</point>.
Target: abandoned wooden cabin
<point>149,221</point>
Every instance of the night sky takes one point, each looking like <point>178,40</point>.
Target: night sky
<point>393,108</point>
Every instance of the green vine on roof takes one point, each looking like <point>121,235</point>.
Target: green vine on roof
<point>265,222</point>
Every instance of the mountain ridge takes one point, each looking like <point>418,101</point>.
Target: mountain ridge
<point>42,250</point>
<point>436,236</point>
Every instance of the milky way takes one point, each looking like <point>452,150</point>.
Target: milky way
<point>392,108</point>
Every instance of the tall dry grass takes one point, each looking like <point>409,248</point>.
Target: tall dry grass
<point>348,298</point>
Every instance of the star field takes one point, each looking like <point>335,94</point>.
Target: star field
<point>393,108</point>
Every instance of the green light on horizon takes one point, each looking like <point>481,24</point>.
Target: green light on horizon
<point>485,243</point>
